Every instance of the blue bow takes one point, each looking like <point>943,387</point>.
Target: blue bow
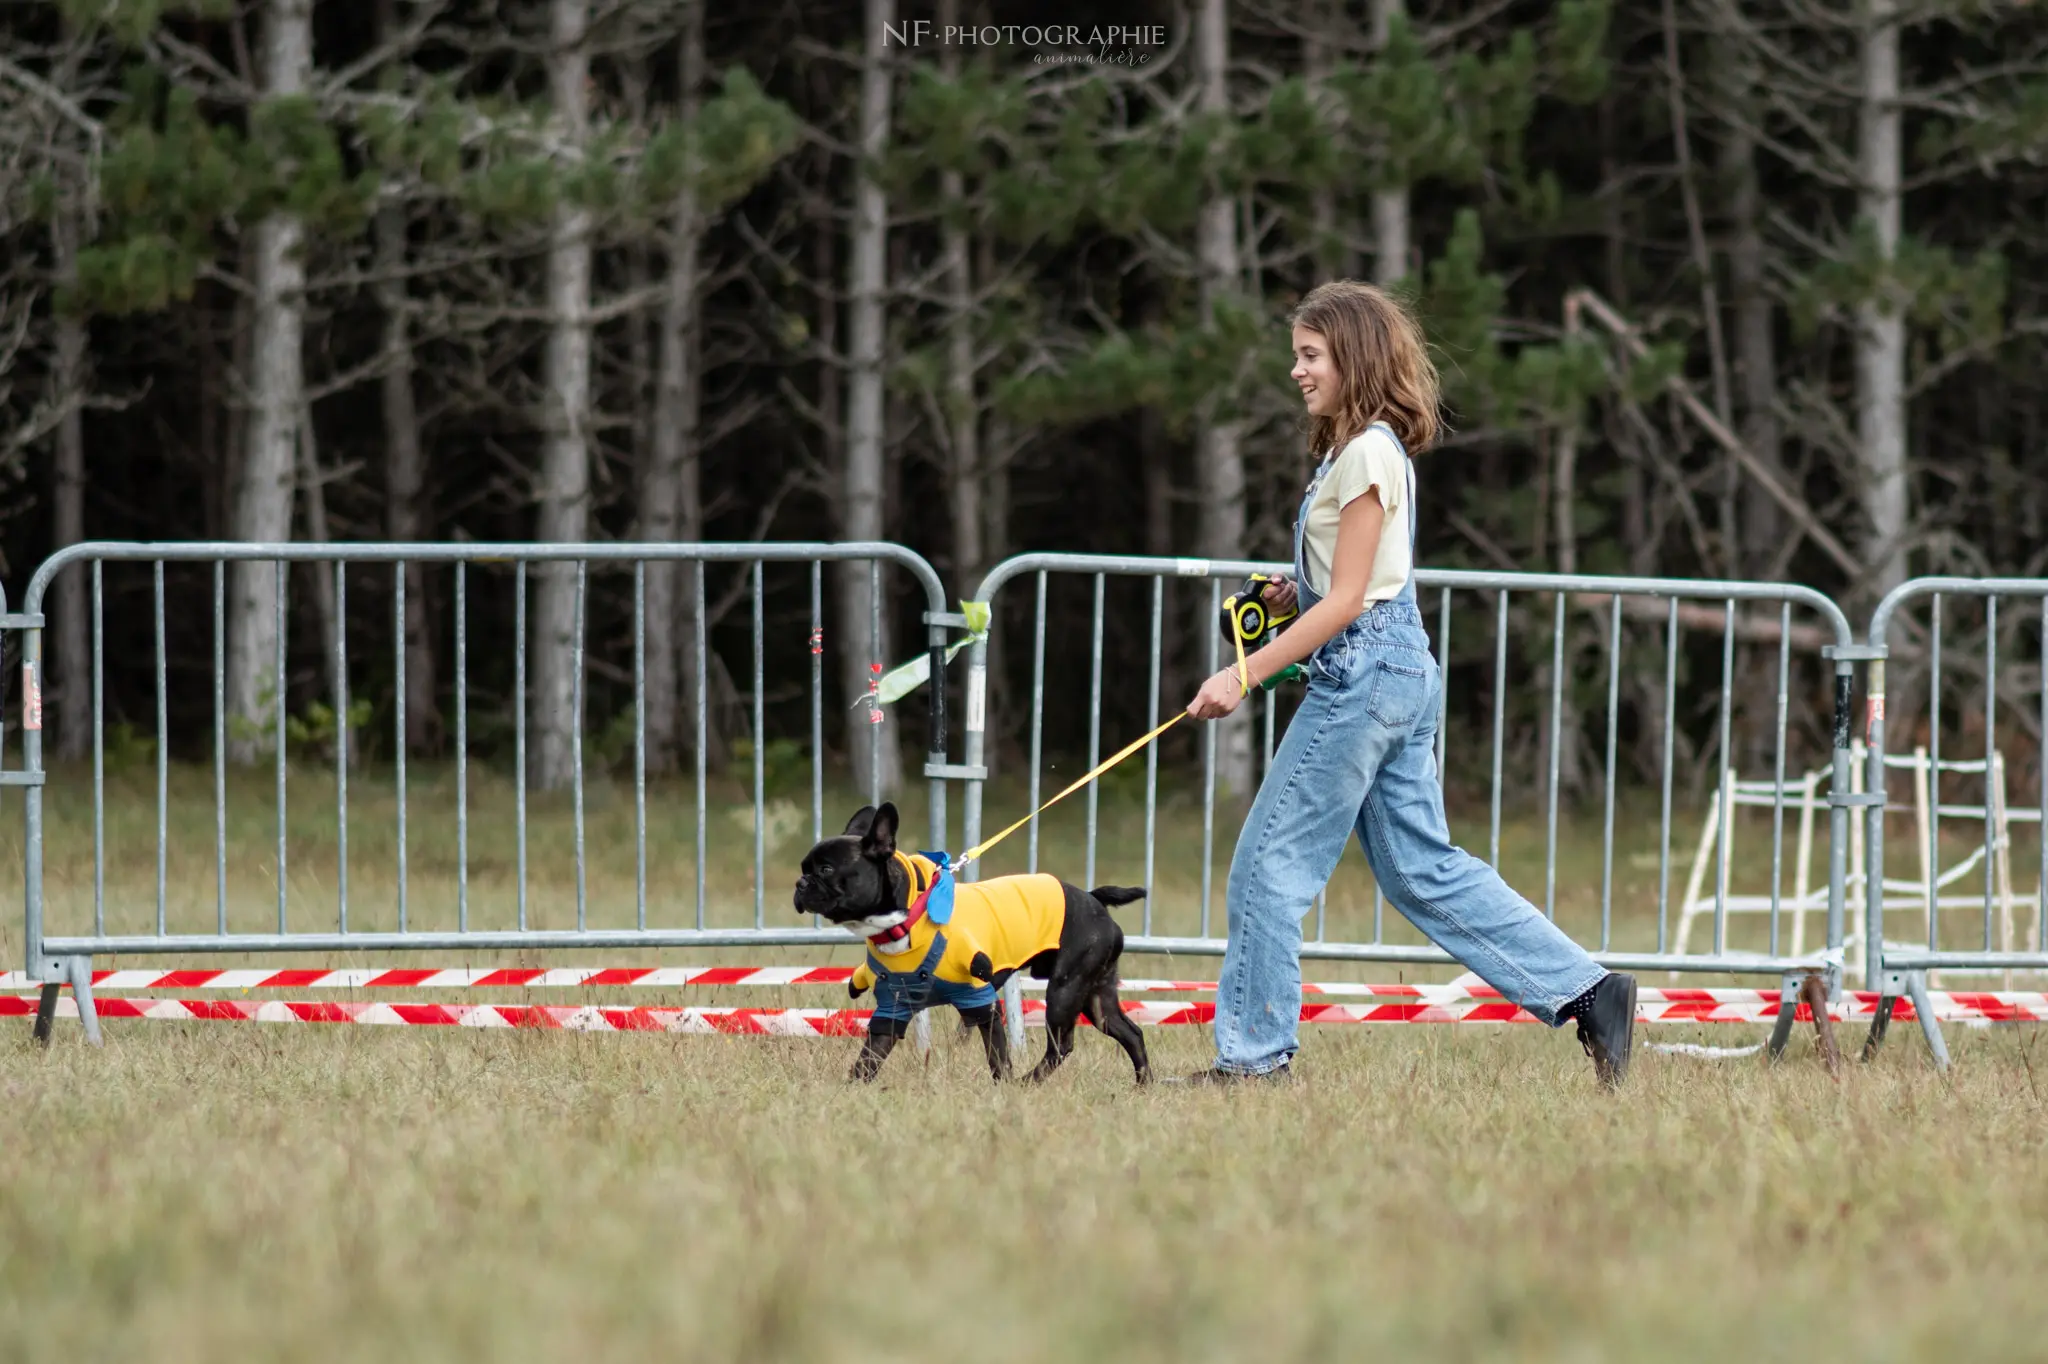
<point>938,906</point>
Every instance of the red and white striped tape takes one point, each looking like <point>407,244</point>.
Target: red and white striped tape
<point>385,978</point>
<point>1975,1007</point>
<point>1459,1002</point>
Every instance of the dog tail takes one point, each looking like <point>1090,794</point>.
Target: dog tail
<point>1113,896</point>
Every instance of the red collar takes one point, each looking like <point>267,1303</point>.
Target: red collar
<point>922,892</point>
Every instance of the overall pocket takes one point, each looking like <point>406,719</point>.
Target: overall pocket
<point>1399,691</point>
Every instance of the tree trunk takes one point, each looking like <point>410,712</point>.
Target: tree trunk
<point>405,494</point>
<point>276,384</point>
<point>330,614</point>
<point>870,738</point>
<point>672,501</point>
<point>1389,202</point>
<point>73,652</point>
<point>1155,454</point>
<point>1880,323</point>
<point>995,540</point>
<point>1219,453</point>
<point>962,408</point>
<point>407,515</point>
<point>1571,776</point>
<point>1332,242</point>
<point>1756,356</point>
<point>565,459</point>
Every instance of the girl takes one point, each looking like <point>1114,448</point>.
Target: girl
<point>1360,752</point>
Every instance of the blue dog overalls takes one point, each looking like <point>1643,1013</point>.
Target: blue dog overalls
<point>927,959</point>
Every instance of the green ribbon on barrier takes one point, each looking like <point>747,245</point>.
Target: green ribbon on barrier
<point>906,678</point>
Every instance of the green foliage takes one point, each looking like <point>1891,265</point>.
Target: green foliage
<point>1574,50</point>
<point>785,766</point>
<point>1187,372</point>
<point>312,735</point>
<point>129,22</point>
<point>1647,376</point>
<point>417,135</point>
<point>1962,299</point>
<point>170,176</point>
<point>124,748</point>
<point>971,125</point>
<point>737,137</point>
<point>1535,384</point>
<point>2015,128</point>
<point>293,163</point>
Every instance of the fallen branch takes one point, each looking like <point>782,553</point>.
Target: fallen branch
<point>1749,626</point>
<point>1766,478</point>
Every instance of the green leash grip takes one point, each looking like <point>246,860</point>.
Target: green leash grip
<point>1293,672</point>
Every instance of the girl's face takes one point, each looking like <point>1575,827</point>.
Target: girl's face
<point>1316,373</point>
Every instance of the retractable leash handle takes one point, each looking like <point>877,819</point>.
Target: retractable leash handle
<point>1249,621</point>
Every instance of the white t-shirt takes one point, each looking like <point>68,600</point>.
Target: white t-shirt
<point>1372,460</point>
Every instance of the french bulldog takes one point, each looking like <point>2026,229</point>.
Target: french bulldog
<point>932,941</point>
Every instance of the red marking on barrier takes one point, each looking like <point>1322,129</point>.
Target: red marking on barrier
<point>509,977</point>
<point>636,1019</point>
<point>722,975</point>
<point>286,980</point>
<point>743,1021</point>
<point>398,976</point>
<point>623,975</point>
<point>186,980</point>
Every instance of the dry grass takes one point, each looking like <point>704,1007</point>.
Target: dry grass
<point>195,1191</point>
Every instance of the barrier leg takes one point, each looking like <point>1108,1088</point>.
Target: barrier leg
<point>1879,1021</point>
<point>1788,1013</point>
<point>79,969</point>
<point>46,1012</point>
<point>1916,987</point>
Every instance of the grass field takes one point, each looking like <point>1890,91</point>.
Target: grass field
<point>197,1191</point>
<point>203,1191</point>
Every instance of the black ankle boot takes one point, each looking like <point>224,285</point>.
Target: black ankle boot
<point>1607,1027</point>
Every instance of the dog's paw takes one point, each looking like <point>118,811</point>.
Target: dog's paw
<point>854,989</point>
<point>981,968</point>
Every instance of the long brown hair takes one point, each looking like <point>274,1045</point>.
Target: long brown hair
<point>1383,363</point>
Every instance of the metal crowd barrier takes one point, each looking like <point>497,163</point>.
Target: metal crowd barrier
<point>1898,969</point>
<point>63,958</point>
<point>1605,598</point>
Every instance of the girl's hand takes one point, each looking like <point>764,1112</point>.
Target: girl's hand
<point>1219,696</point>
<point>1280,595</point>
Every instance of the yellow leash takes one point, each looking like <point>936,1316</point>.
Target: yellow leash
<point>978,849</point>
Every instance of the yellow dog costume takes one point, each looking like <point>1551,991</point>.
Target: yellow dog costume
<point>958,939</point>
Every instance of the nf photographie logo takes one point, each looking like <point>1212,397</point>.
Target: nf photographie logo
<point>1123,44</point>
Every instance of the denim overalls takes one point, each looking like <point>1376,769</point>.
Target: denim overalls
<point>1360,755</point>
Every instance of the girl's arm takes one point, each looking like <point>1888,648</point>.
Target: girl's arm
<point>1358,542</point>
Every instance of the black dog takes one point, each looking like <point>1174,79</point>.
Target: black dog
<point>1038,923</point>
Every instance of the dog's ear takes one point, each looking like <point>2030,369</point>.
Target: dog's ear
<point>879,842</point>
<point>863,820</point>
